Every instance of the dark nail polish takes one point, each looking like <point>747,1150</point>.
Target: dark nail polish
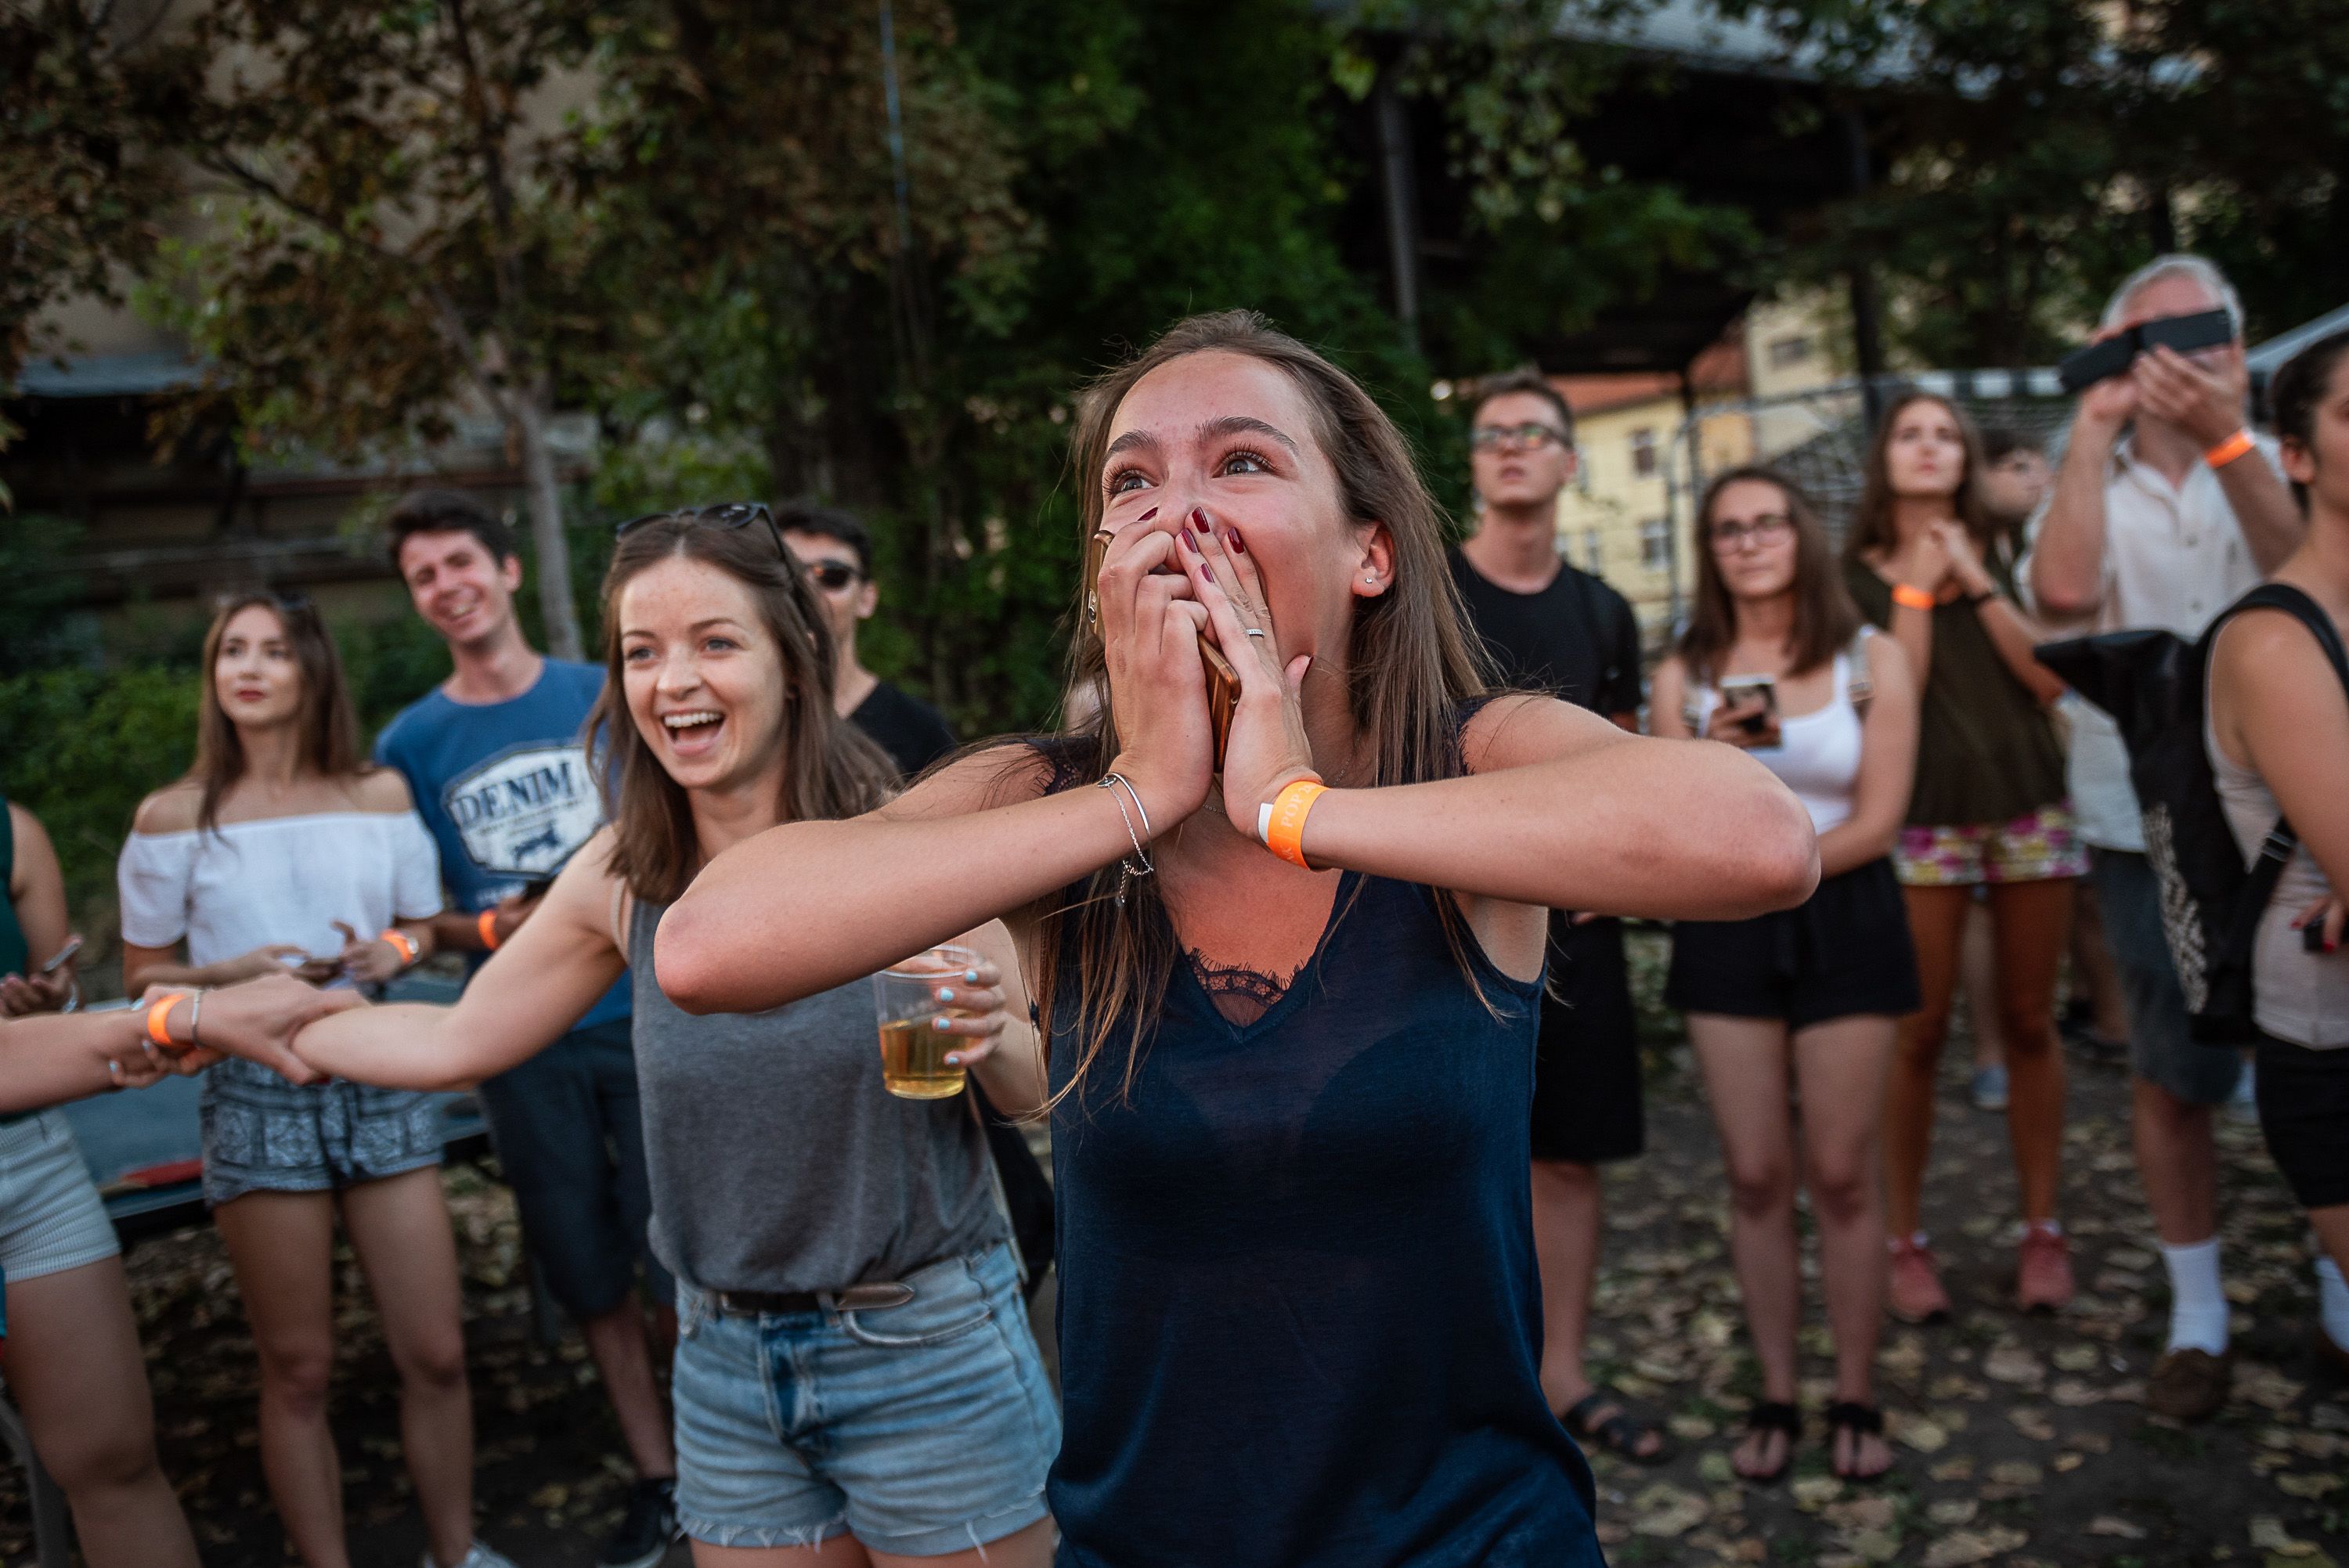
<point>1146,516</point>
<point>1199,520</point>
<point>1232,537</point>
<point>1189,543</point>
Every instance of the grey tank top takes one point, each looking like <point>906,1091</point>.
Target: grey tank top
<point>777,1160</point>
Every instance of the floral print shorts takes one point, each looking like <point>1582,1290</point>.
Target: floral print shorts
<point>2036,847</point>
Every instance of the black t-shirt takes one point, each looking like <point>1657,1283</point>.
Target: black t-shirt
<point>910,730</point>
<point>1577,638</point>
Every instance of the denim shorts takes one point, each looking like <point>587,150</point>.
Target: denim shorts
<point>920,1429</point>
<point>2162,1047</point>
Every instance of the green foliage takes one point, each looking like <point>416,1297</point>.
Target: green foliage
<point>80,747</point>
<point>40,593</point>
<point>2046,147</point>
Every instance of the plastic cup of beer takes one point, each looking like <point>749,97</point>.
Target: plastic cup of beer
<point>913,1048</point>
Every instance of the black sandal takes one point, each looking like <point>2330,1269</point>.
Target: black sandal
<point>1774,1416</point>
<point>1618,1433</point>
<point>1861,1420</point>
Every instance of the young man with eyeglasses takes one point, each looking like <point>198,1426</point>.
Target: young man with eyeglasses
<point>1552,628</point>
<point>496,761</point>
<point>837,551</point>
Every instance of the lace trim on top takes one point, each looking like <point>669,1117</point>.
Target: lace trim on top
<point>1241,993</point>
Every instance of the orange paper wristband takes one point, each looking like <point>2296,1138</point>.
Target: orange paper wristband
<point>1284,828</point>
<point>1912,598</point>
<point>2228,450</point>
<point>158,1019</point>
<point>488,926</point>
<point>401,943</point>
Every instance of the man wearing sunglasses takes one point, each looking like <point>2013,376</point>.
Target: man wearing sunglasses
<point>837,552</point>
<point>1555,629</point>
<point>496,762</point>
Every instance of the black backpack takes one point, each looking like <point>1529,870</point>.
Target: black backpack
<point>2155,686</point>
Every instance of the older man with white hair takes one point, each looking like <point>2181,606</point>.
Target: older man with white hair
<point>2166,510</point>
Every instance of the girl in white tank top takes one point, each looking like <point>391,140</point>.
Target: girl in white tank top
<point>1803,999</point>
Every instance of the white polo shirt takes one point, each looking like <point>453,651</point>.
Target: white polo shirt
<point>2174,558</point>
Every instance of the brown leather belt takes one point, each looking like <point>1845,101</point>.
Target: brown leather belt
<point>774,1303</point>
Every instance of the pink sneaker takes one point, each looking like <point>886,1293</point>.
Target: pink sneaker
<point>1914,1290</point>
<point>2043,1270</point>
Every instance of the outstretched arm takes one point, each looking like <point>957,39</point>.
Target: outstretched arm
<point>530,992</point>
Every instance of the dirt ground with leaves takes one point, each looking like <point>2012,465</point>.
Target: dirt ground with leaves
<point>2019,1440</point>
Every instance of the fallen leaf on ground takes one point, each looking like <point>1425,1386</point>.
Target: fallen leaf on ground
<point>1923,1435</point>
<point>1812,1492</point>
<point>2013,1364</point>
<point>2106,1524</point>
<point>2265,1386</point>
<point>2032,1423</point>
<point>2268,1534</point>
<point>2017,1472</point>
<point>1961,1547</point>
<point>2072,1393</point>
<point>1665,1510</point>
<point>2065,1464</point>
<point>1953,1511</point>
<point>2307,1485</point>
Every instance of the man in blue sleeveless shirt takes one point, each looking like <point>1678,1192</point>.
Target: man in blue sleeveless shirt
<point>496,760</point>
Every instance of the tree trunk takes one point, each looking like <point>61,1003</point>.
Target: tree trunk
<point>528,411</point>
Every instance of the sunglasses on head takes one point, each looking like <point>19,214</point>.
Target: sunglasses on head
<point>726,514</point>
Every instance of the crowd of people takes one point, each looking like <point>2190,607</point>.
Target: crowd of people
<point>1315,969</point>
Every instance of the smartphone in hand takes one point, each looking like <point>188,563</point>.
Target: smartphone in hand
<point>1753,699</point>
<point>63,955</point>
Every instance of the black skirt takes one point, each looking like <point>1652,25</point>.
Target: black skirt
<point>1843,952</point>
<point>2304,1099</point>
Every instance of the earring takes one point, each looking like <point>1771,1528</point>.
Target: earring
<point>1372,581</point>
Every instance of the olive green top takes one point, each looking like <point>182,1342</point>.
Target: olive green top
<point>1985,751</point>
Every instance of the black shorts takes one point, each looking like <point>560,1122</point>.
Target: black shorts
<point>1844,952</point>
<point>1586,1105</point>
<point>2303,1096</point>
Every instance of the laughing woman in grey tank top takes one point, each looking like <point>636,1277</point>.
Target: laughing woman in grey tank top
<point>854,1357</point>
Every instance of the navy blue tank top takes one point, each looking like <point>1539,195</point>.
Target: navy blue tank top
<point>1299,1318</point>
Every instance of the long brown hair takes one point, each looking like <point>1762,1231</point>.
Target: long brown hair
<point>329,728</point>
<point>1826,619</point>
<point>1873,528</point>
<point>1410,664</point>
<point>830,770</point>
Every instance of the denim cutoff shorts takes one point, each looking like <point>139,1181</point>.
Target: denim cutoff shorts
<point>921,1429</point>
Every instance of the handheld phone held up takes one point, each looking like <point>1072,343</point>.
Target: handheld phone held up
<point>63,955</point>
<point>1223,681</point>
<point>2100,361</point>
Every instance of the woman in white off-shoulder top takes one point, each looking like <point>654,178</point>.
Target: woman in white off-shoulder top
<point>283,849</point>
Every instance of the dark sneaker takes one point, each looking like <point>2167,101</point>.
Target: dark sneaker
<point>2188,1385</point>
<point>647,1530</point>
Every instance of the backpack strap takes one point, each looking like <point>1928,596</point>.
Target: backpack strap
<point>2260,887</point>
<point>1859,684</point>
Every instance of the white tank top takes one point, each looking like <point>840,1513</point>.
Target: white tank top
<point>1818,754</point>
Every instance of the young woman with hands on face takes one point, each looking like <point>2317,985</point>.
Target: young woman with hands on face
<point>1988,807</point>
<point>1809,995</point>
<point>1290,1089</point>
<point>839,1255</point>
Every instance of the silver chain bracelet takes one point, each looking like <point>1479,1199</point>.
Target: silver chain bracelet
<point>1128,869</point>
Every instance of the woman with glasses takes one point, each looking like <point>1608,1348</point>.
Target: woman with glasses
<point>1289,999</point>
<point>1989,810</point>
<point>855,1380</point>
<point>1777,661</point>
<point>283,849</point>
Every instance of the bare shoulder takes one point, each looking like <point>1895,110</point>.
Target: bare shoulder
<point>382,789</point>
<point>1888,661</point>
<point>171,809</point>
<point>1523,729</point>
<point>1003,774</point>
<point>24,828</point>
<point>2271,648</point>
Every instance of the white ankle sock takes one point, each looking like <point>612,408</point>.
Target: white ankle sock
<point>2333,1301</point>
<point>2198,1298</point>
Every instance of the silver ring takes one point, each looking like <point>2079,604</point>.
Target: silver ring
<point>1257,632</point>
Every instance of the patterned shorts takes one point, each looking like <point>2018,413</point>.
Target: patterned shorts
<point>2036,846</point>
<point>262,1134</point>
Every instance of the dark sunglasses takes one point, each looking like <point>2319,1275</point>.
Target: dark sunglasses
<point>290,603</point>
<point>832,576</point>
<point>726,514</point>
